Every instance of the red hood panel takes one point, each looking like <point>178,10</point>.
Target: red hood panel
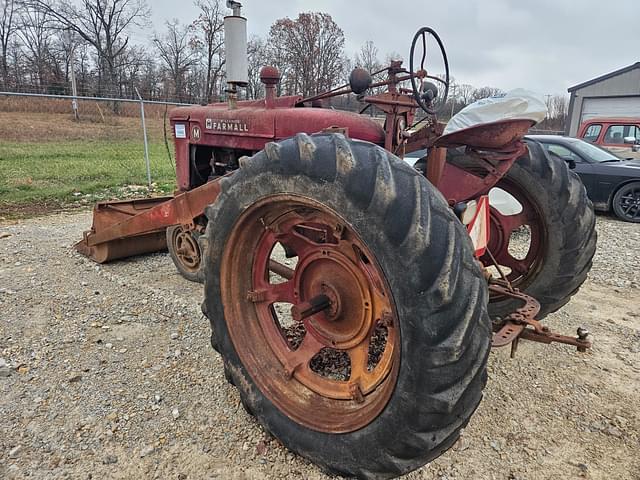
<point>248,126</point>
<point>313,120</point>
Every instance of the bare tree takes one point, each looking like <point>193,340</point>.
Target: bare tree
<point>367,57</point>
<point>256,52</point>
<point>465,94</point>
<point>7,29</point>
<point>67,45</point>
<point>310,50</point>
<point>485,92</point>
<point>210,39</point>
<point>37,37</point>
<point>176,53</point>
<point>559,106</point>
<point>392,57</point>
<point>556,113</point>
<point>101,23</point>
<point>130,67</point>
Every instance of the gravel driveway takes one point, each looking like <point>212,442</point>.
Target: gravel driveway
<point>106,372</point>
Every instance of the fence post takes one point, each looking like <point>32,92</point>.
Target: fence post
<point>144,134</point>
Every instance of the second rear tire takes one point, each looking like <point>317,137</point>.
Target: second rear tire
<point>565,224</point>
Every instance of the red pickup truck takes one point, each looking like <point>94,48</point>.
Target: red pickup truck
<point>618,135</point>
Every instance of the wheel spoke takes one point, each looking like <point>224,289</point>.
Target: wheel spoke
<point>509,223</point>
<point>299,358</point>
<point>296,242</point>
<point>281,293</point>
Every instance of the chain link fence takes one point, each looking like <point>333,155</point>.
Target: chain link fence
<point>58,149</point>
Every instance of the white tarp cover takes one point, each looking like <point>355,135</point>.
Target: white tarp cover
<point>518,104</point>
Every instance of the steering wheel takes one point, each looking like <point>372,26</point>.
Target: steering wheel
<point>424,97</point>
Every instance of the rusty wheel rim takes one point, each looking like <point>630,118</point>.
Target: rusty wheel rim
<point>186,249</point>
<point>523,269</point>
<point>341,306</point>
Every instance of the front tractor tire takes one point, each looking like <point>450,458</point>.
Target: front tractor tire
<point>184,250</point>
<point>382,360</point>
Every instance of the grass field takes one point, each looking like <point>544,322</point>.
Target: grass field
<point>48,161</point>
<point>32,172</point>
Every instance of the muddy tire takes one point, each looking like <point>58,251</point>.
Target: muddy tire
<point>408,240</point>
<point>184,250</point>
<point>563,216</point>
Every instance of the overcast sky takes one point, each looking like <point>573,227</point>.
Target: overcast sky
<point>543,45</point>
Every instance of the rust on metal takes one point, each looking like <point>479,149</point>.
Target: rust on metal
<point>344,313</point>
<point>435,165</point>
<point>126,228</point>
<point>494,135</point>
<point>338,294</point>
<point>521,324</point>
<point>312,306</point>
<point>186,247</point>
<point>280,269</point>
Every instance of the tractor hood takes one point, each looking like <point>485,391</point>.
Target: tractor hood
<point>252,123</point>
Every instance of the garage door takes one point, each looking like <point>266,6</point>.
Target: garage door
<point>610,107</point>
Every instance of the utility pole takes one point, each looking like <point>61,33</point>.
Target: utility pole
<point>144,136</point>
<point>548,97</point>
<point>453,98</point>
<point>74,87</point>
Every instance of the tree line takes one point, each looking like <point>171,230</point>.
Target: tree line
<point>42,41</point>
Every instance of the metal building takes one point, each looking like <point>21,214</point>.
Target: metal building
<point>616,94</point>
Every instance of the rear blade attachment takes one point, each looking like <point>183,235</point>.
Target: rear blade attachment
<point>132,227</point>
<point>123,229</point>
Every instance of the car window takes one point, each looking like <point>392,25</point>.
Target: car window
<point>593,153</point>
<point>616,133</point>
<point>633,131</point>
<point>592,132</point>
<point>562,152</point>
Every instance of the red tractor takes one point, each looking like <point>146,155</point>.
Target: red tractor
<point>353,298</point>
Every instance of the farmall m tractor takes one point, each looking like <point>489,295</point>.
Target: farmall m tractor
<point>354,299</point>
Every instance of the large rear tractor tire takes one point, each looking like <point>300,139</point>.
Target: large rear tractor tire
<point>547,249</point>
<point>382,359</point>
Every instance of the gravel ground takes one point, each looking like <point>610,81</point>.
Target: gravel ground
<point>106,372</point>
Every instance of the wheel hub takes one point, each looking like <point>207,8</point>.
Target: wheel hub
<point>186,248</point>
<point>348,318</point>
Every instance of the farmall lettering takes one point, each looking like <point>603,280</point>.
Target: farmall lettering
<point>226,125</point>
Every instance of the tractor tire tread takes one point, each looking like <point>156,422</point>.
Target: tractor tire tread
<point>571,230</point>
<point>432,402</point>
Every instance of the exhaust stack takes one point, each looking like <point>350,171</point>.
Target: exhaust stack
<point>235,44</point>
